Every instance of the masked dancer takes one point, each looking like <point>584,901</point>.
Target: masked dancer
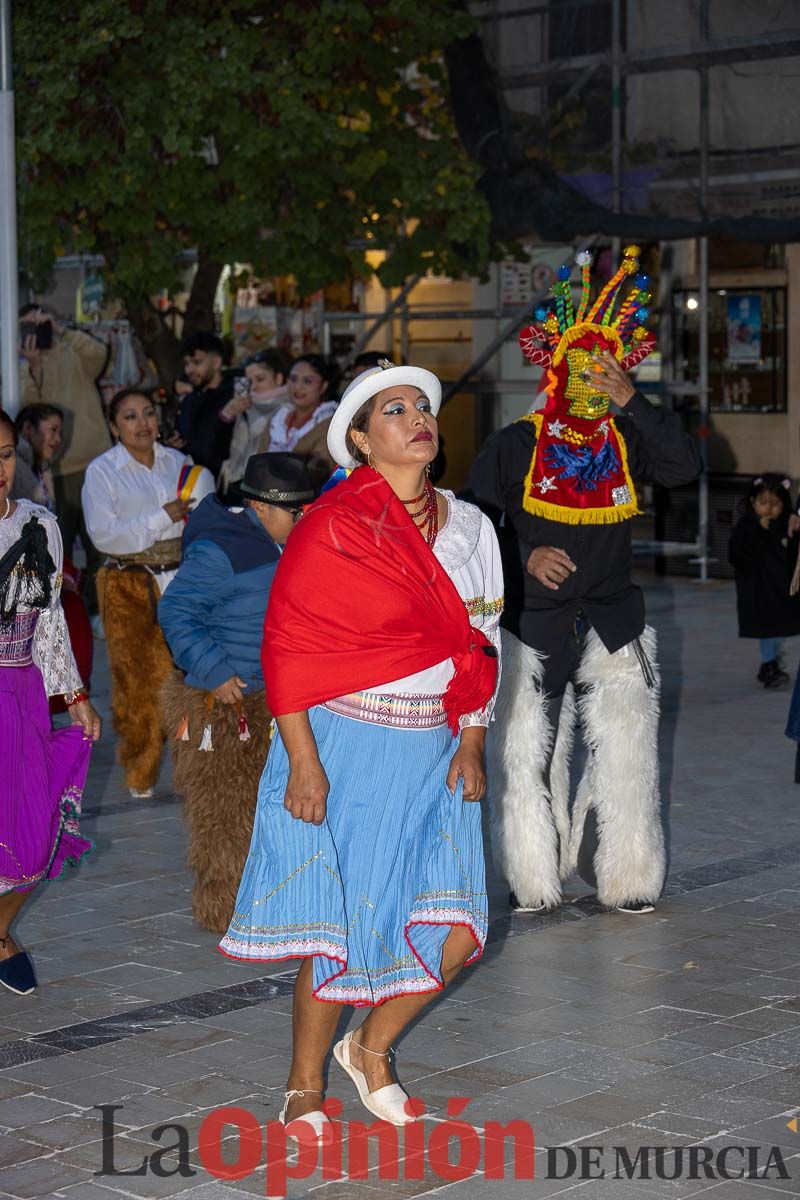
<point>561,484</point>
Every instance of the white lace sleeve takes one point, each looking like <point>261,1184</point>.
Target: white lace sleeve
<point>487,611</point>
<point>52,651</point>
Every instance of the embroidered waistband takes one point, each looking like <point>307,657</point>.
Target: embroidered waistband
<point>16,642</point>
<point>397,712</point>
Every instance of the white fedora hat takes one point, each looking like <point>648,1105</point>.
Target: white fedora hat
<point>368,384</point>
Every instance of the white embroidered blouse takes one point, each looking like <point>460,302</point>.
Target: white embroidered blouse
<point>281,438</point>
<point>467,548</point>
<point>52,651</point>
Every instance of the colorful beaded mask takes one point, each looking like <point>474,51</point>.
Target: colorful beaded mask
<point>566,341</point>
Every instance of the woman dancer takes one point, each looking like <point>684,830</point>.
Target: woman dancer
<point>367,858</point>
<point>135,499</point>
<point>42,772</point>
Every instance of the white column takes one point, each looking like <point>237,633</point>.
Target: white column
<point>9,358</point>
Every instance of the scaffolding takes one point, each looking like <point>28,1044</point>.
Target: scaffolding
<point>699,55</point>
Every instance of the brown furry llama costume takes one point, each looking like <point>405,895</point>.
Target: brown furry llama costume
<point>140,662</point>
<point>212,615</point>
<point>219,788</point>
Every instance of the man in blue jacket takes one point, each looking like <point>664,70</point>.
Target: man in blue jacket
<point>212,616</point>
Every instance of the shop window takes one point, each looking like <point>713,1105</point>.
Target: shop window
<point>747,347</point>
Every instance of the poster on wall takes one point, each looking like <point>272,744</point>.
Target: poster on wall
<point>744,329</point>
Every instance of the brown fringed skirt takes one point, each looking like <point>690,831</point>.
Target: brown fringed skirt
<point>219,786</point>
<point>140,663</point>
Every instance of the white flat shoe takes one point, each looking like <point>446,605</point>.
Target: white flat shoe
<point>318,1120</point>
<point>387,1103</point>
<point>141,793</point>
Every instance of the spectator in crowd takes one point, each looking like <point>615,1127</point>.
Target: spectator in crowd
<point>204,434</point>
<point>763,558</point>
<point>262,393</point>
<point>362,362</point>
<point>41,432</point>
<point>61,367</point>
<point>40,429</point>
<point>212,616</point>
<point>301,426</point>
<point>136,498</point>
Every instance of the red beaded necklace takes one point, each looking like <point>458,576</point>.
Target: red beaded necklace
<point>426,518</point>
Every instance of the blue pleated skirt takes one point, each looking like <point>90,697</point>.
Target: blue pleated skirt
<point>373,892</point>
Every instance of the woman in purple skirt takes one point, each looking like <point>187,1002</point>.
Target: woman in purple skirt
<point>42,771</point>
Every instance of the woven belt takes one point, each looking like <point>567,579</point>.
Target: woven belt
<point>161,556</point>
<point>148,568</point>
<point>25,660</point>
<point>395,712</point>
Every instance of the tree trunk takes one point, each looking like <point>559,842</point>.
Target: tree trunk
<point>160,344</point>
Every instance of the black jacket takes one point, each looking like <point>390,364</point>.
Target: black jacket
<point>763,561</point>
<point>659,451</point>
<point>208,439</point>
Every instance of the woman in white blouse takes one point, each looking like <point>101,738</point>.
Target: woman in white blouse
<point>367,856</point>
<point>301,426</point>
<point>135,499</point>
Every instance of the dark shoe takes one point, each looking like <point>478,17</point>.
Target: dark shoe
<point>516,906</point>
<point>16,973</point>
<point>771,675</point>
<point>636,906</point>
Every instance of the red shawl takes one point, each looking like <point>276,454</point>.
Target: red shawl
<point>359,599</point>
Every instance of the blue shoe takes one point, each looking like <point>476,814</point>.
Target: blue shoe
<point>16,973</point>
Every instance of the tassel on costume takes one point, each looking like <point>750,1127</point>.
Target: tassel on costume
<point>182,732</point>
<point>206,743</point>
<point>244,728</point>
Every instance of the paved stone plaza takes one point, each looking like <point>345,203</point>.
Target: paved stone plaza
<point>600,1029</point>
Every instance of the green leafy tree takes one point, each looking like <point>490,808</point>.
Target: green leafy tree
<point>290,136</point>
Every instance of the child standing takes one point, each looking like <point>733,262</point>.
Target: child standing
<point>763,563</point>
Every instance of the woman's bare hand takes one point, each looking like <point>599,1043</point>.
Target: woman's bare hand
<point>84,714</point>
<point>178,509</point>
<point>233,408</point>
<point>307,793</point>
<point>468,764</point>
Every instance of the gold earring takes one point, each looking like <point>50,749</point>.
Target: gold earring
<point>369,457</point>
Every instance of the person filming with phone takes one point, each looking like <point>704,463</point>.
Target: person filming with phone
<point>60,367</point>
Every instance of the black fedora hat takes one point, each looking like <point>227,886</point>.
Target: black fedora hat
<point>280,479</point>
